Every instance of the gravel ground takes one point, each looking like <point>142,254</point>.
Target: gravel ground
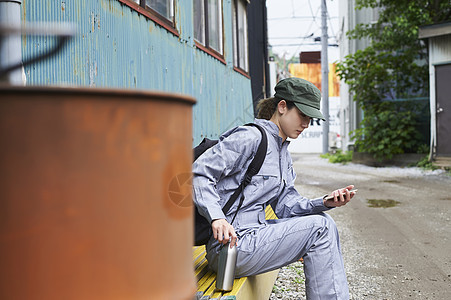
<point>370,274</point>
<point>290,283</point>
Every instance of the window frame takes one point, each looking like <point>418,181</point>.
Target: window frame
<point>236,38</point>
<point>153,14</point>
<point>206,48</point>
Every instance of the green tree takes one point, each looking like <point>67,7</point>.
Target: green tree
<point>392,69</point>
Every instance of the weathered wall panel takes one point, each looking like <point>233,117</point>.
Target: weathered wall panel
<point>118,47</point>
<point>440,50</point>
<point>439,53</point>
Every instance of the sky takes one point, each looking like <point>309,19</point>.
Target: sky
<point>293,24</point>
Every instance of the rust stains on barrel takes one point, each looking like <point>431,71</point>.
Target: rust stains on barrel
<point>86,212</point>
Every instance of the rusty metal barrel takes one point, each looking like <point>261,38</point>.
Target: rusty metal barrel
<point>86,211</point>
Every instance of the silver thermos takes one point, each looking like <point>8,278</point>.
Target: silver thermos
<point>226,268</point>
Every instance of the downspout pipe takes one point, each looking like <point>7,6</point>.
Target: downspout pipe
<point>11,45</point>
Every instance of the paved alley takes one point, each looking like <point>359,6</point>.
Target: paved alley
<point>399,252</point>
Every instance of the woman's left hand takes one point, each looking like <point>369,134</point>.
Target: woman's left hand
<point>340,197</point>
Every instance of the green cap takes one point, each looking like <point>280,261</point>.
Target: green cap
<point>304,94</point>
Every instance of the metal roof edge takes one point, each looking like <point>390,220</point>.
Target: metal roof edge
<point>434,30</point>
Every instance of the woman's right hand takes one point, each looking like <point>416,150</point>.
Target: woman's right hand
<point>224,232</point>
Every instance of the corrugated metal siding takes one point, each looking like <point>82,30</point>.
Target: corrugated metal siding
<point>440,49</point>
<point>439,53</point>
<point>118,47</point>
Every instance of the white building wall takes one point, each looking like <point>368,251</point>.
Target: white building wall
<point>439,53</point>
<point>350,115</point>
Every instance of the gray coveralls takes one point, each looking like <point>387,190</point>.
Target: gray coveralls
<point>302,230</point>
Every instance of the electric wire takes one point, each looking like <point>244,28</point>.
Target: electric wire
<point>313,18</point>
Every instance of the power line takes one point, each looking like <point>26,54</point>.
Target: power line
<point>303,44</point>
<point>311,11</point>
<point>299,42</point>
<point>295,17</point>
<point>331,27</point>
<point>291,37</point>
<point>301,38</point>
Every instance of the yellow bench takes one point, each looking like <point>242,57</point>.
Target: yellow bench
<point>252,287</point>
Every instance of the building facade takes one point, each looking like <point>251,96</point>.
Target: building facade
<point>350,114</point>
<point>438,37</point>
<point>199,48</point>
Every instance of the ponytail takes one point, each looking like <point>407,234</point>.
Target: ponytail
<point>267,107</point>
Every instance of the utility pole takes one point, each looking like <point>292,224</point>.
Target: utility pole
<point>324,76</point>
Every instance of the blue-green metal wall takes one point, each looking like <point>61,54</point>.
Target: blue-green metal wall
<point>118,47</point>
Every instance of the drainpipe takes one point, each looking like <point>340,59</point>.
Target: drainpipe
<point>11,45</point>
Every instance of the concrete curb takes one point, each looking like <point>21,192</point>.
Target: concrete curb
<point>399,160</point>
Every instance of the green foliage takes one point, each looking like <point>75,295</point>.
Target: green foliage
<point>393,67</point>
<point>424,163</point>
<point>423,149</point>
<point>338,157</point>
<point>390,128</point>
<point>299,279</point>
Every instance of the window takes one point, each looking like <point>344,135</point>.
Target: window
<point>160,11</point>
<point>164,8</point>
<point>208,24</point>
<point>240,46</point>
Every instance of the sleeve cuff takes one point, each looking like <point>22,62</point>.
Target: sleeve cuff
<point>215,214</point>
<point>319,203</point>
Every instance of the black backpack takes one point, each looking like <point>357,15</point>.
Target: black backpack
<point>202,229</point>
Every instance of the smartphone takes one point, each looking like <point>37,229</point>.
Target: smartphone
<point>332,197</point>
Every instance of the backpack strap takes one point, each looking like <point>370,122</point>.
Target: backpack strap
<point>202,147</point>
<point>253,169</point>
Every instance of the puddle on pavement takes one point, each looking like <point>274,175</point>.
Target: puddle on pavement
<point>391,181</point>
<point>382,203</point>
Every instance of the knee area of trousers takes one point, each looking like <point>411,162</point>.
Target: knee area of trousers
<point>330,221</point>
<point>324,221</point>
<point>325,225</point>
